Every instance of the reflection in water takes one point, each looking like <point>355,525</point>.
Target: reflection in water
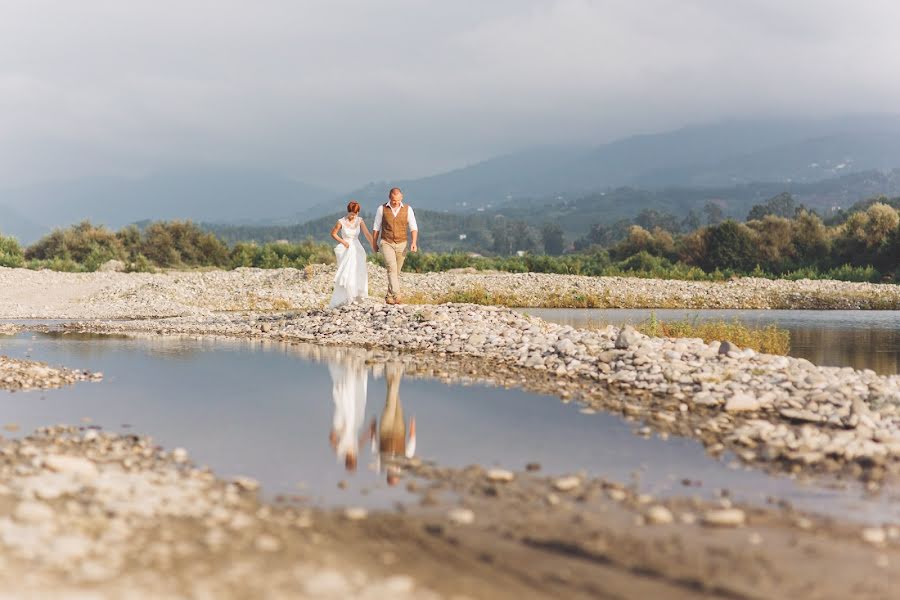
<point>389,438</point>
<point>349,380</point>
<point>392,441</point>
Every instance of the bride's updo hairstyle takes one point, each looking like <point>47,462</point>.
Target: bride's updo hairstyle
<point>353,207</point>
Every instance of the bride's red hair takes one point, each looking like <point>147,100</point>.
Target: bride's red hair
<point>353,207</point>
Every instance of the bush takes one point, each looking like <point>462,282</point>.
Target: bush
<point>11,254</point>
<point>83,244</point>
<point>182,244</point>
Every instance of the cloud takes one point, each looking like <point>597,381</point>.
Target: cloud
<point>340,92</point>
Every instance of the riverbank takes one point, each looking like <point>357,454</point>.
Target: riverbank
<point>26,294</point>
<point>97,515</point>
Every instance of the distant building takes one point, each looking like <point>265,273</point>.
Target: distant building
<point>462,236</point>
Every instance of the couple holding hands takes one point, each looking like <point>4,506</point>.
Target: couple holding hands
<point>392,220</point>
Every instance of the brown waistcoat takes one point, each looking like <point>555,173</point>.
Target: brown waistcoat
<point>393,229</point>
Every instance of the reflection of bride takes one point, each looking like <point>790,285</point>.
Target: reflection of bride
<point>349,379</point>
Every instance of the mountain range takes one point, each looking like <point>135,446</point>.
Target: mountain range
<point>782,153</point>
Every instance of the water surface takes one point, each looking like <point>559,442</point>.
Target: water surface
<point>268,410</point>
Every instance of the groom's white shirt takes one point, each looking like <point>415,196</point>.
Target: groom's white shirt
<point>410,217</point>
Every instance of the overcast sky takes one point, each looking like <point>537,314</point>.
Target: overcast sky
<point>344,92</point>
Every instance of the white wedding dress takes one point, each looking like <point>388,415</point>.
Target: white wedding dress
<point>351,281</point>
<point>349,379</point>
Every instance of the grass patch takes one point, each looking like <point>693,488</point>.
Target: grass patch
<point>769,339</point>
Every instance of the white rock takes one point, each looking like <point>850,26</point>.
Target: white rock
<point>500,475</point>
<point>874,535</point>
<point>566,484</point>
<point>247,483</point>
<point>180,455</point>
<point>268,543</point>
<point>741,402</point>
<point>461,516</point>
<point>356,513</point>
<point>725,517</point>
<point>74,465</point>
<point>33,512</point>
<point>659,515</point>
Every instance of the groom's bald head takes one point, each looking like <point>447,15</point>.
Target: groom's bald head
<point>395,196</point>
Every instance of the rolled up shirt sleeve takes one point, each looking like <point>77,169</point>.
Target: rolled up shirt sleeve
<point>379,215</point>
<point>411,219</point>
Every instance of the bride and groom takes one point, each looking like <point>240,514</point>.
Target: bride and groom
<point>392,220</point>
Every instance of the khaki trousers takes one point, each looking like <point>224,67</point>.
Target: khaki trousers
<point>394,255</point>
<point>392,433</point>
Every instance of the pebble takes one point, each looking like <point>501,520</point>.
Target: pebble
<point>356,513</point>
<point>461,516</point>
<point>179,455</point>
<point>874,535</point>
<point>742,402</point>
<point>500,475</point>
<point>659,515</point>
<point>726,517</point>
<point>566,484</point>
<point>247,483</point>
<point>73,465</point>
<point>268,543</point>
<point>33,512</point>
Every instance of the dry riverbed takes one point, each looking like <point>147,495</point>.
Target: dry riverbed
<point>26,294</point>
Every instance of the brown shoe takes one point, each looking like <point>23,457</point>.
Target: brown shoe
<point>397,300</point>
<point>390,301</point>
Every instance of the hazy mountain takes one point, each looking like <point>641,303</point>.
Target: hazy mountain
<point>705,155</point>
<point>200,194</point>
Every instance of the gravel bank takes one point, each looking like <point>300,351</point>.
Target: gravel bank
<point>769,409</point>
<point>91,514</point>
<point>28,294</point>
<point>23,375</point>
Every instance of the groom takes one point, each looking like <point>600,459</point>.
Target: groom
<point>391,222</point>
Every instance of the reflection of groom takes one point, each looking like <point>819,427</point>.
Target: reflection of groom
<point>391,434</point>
<point>391,222</point>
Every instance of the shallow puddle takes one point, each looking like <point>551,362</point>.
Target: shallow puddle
<point>269,411</point>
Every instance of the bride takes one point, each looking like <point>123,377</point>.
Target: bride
<point>352,278</point>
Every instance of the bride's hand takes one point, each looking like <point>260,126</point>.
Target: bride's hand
<point>345,243</point>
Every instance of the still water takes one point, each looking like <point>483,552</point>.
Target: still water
<point>290,416</point>
<point>862,339</point>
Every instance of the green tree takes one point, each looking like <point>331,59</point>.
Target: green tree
<point>729,245</point>
<point>552,236</point>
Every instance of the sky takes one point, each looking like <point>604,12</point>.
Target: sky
<point>339,93</point>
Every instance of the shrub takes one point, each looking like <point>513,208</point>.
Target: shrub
<point>11,254</point>
<point>84,244</point>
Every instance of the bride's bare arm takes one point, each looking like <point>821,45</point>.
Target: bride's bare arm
<point>367,234</point>
<point>336,237</point>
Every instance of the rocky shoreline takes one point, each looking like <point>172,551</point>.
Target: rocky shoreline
<point>26,294</point>
<point>767,409</point>
<point>93,514</point>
